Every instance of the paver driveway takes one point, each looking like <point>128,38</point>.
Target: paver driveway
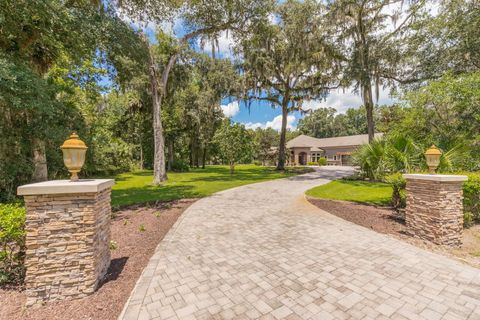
<point>262,252</point>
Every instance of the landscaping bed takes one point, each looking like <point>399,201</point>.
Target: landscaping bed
<point>386,220</point>
<point>136,231</point>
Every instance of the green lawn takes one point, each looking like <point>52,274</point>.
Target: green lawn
<point>136,187</point>
<point>357,191</point>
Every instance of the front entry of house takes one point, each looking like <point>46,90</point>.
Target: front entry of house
<point>302,158</point>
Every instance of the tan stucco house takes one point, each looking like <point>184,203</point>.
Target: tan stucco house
<point>304,149</point>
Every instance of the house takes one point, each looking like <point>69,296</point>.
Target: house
<point>304,149</point>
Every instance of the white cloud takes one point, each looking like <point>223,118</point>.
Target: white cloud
<point>225,45</point>
<point>276,123</point>
<point>230,109</point>
<point>254,125</point>
<point>343,100</point>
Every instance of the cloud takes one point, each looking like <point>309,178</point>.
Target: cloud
<point>276,123</point>
<point>254,125</point>
<point>225,45</point>
<point>343,100</point>
<point>230,109</point>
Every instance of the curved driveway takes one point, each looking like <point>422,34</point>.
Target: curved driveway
<point>261,251</point>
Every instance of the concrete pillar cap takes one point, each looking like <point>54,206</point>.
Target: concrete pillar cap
<point>65,186</point>
<point>436,177</point>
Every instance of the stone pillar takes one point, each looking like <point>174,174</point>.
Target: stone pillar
<point>435,208</point>
<point>67,238</point>
<point>296,159</point>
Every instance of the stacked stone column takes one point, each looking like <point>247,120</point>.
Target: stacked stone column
<point>435,208</point>
<point>67,238</point>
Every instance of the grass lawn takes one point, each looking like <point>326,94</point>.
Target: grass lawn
<point>357,191</point>
<point>136,187</point>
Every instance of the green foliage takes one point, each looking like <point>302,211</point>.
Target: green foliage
<point>322,161</point>
<point>398,183</point>
<point>235,143</point>
<point>311,163</point>
<point>471,197</point>
<point>446,112</point>
<point>266,144</point>
<point>12,243</point>
<point>370,159</point>
<point>180,166</point>
<point>397,153</point>
<point>325,123</point>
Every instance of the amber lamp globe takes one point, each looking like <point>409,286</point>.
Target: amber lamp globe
<point>432,156</point>
<point>74,151</point>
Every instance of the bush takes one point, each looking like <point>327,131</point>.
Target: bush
<point>311,163</point>
<point>12,243</point>
<point>471,196</point>
<point>257,163</point>
<point>322,162</point>
<point>398,183</point>
<point>180,166</point>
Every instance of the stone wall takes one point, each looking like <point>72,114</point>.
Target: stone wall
<point>68,236</point>
<point>435,208</point>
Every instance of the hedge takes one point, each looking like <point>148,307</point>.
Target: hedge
<point>12,243</point>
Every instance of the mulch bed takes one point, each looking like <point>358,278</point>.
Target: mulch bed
<point>386,220</point>
<point>380,219</point>
<point>137,230</point>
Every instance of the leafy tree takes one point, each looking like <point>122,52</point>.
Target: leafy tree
<point>318,123</point>
<point>202,19</point>
<point>325,123</point>
<point>447,41</point>
<point>235,143</point>
<point>43,35</point>
<point>289,62</point>
<point>371,34</point>
<point>266,140</point>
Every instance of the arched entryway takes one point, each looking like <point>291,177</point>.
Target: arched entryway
<point>302,158</point>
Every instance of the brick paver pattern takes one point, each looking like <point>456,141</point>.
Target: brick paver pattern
<point>261,251</point>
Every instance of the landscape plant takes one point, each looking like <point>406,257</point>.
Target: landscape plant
<point>12,243</point>
<point>235,144</point>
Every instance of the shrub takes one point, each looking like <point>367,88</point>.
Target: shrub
<point>398,183</point>
<point>180,166</point>
<point>12,243</point>
<point>471,196</point>
<point>257,163</point>
<point>311,163</point>
<point>467,219</point>
<point>322,161</point>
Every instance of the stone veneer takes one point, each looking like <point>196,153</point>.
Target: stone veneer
<point>435,208</point>
<point>67,240</point>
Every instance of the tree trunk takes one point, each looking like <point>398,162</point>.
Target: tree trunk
<point>368,103</point>
<point>283,132</point>
<point>204,157</point>
<point>141,157</point>
<point>159,170</point>
<point>232,167</point>
<point>190,155</point>
<point>40,172</point>
<point>170,155</point>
